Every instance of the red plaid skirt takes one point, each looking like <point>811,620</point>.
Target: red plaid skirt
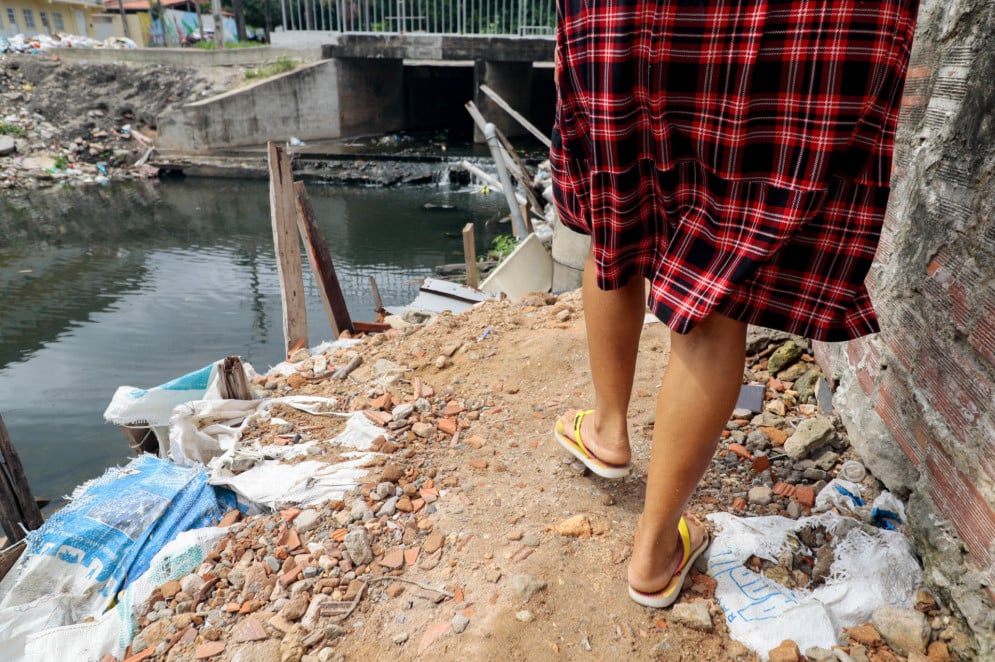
<point>736,154</point>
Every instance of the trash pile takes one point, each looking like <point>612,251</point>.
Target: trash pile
<point>82,123</point>
<point>41,43</point>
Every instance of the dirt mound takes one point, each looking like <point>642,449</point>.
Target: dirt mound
<point>475,537</point>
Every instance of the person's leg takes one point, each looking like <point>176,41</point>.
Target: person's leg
<point>698,393</point>
<point>614,320</point>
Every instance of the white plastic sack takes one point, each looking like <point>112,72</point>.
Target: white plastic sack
<point>153,407</point>
<point>870,570</point>
<point>113,631</point>
<point>209,431</point>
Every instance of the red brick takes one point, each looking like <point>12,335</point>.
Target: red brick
<point>955,386</point>
<point>982,336</point>
<point>805,495</point>
<point>901,415</point>
<point>956,496</point>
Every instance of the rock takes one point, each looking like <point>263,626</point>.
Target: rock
<point>292,646</point>
<point>261,651</point>
<point>402,411</point>
<point>524,616</point>
<point>693,614</point>
<point>191,584</point>
<point>783,356</point>
<point>736,650</point>
<point>786,652</point>
<point>357,543</point>
<point>307,520</point>
<point>423,430</point>
<point>209,650</point>
<point>760,495</point>
<point>905,630</point>
<point>400,638</point>
<point>794,509</point>
<point>295,608</point>
<point>391,473</point>
<point>460,623</point>
<point>578,526</point>
<point>152,636</point>
<point>170,589</point>
<point>817,654</point>
<point>865,635</point>
<point>433,542</point>
<point>7,145</point>
<point>806,385</point>
<point>523,587</point>
<point>810,434</point>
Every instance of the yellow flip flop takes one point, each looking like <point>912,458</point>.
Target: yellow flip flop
<point>668,594</point>
<point>576,448</point>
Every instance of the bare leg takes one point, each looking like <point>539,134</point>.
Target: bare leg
<point>697,396</point>
<point>614,320</point>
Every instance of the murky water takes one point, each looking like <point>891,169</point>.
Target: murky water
<point>137,284</point>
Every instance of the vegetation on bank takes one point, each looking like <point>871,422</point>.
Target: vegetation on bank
<point>282,65</point>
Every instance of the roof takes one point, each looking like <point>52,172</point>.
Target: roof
<point>139,5</point>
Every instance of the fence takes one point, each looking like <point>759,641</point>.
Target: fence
<point>468,17</point>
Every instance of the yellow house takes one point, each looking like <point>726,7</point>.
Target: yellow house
<point>31,17</point>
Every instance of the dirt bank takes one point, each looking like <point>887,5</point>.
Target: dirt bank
<point>86,123</point>
<point>475,537</point>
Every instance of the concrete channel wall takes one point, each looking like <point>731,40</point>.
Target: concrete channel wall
<point>919,398</point>
<point>326,99</point>
<point>190,57</point>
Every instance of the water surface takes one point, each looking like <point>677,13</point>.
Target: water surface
<point>137,284</point>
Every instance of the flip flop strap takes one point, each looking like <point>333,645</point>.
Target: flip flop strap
<point>682,528</point>
<point>578,420</point>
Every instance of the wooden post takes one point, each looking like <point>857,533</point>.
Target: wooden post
<point>470,256</point>
<point>17,506</point>
<point>288,248</point>
<point>321,263</point>
<point>496,98</point>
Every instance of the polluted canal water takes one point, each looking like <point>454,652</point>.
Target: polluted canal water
<point>139,283</point>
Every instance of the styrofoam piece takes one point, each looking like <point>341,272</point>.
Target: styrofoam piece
<point>529,268</point>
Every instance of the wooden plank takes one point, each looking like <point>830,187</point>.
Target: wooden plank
<point>17,506</point>
<point>377,299</point>
<point>470,255</point>
<point>288,248</point>
<point>321,263</point>
<point>496,98</point>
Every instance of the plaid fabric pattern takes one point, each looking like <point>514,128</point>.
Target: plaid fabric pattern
<point>736,153</point>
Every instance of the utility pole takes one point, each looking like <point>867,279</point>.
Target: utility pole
<point>124,18</point>
<point>219,25</point>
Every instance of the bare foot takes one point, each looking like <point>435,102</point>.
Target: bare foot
<point>610,450</point>
<point>655,562</point>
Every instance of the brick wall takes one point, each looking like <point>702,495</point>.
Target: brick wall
<point>919,398</point>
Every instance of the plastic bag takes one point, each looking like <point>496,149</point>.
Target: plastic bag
<point>872,568</point>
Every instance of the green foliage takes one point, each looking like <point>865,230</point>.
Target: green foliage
<point>504,244</point>
<point>61,162</point>
<point>208,44</point>
<point>12,130</point>
<point>283,64</point>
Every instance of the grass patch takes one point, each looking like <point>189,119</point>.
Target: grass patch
<point>283,64</point>
<point>12,130</point>
<point>208,44</point>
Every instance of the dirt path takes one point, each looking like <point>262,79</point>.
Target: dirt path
<point>476,537</point>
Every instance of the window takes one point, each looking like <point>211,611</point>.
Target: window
<point>12,18</point>
<point>44,19</point>
<point>60,26</point>
<point>29,19</point>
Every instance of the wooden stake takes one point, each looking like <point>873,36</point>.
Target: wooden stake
<point>321,263</point>
<point>496,98</point>
<point>288,248</point>
<point>377,300</point>
<point>470,256</point>
<point>17,506</point>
